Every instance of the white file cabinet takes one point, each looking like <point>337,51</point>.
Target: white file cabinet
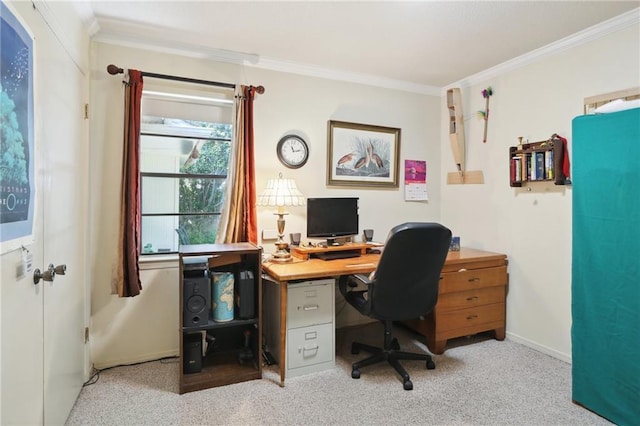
<point>310,343</point>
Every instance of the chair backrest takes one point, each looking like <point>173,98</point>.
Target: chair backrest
<point>406,280</point>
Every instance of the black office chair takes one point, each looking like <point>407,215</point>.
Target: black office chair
<point>404,286</point>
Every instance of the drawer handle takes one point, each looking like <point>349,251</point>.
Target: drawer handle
<point>307,348</point>
<point>310,307</point>
<point>470,317</point>
<point>472,298</point>
<point>471,280</point>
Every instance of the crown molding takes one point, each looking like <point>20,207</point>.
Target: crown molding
<point>333,74</point>
<point>253,60</point>
<point>186,50</point>
<point>130,35</point>
<point>595,32</point>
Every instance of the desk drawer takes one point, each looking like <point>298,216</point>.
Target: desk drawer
<point>310,303</point>
<point>470,298</point>
<point>473,320</point>
<point>309,345</point>
<point>473,279</point>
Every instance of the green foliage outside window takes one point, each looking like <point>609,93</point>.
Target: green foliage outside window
<point>205,194</point>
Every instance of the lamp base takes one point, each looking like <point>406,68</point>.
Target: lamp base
<point>281,255</point>
<point>281,258</point>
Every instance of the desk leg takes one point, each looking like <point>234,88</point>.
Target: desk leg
<point>283,331</point>
<point>436,347</point>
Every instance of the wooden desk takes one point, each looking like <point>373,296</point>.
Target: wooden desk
<point>472,296</point>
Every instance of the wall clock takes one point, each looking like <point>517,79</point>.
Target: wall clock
<point>292,151</point>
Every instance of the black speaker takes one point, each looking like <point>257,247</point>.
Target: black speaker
<point>295,238</point>
<point>192,353</point>
<point>368,235</point>
<point>197,299</point>
<point>245,298</point>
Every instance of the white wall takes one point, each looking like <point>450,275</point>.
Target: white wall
<point>532,227</point>
<point>145,327</point>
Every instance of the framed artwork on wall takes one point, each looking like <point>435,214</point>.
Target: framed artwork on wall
<point>362,155</point>
<point>17,184</point>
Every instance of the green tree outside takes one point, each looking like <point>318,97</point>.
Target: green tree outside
<point>205,194</point>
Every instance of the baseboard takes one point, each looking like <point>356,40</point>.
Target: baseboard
<point>136,360</point>
<point>540,348</point>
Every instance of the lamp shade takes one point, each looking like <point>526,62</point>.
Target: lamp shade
<point>281,192</point>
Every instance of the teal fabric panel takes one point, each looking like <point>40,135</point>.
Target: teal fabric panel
<point>605,265</point>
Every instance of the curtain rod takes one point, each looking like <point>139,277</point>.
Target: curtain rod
<point>113,70</point>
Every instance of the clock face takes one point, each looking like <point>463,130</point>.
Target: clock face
<point>292,151</point>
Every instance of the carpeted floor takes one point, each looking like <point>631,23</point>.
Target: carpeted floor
<point>477,381</point>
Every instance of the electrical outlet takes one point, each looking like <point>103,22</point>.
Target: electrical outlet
<point>269,234</point>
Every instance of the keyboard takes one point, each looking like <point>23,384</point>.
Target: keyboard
<point>332,255</point>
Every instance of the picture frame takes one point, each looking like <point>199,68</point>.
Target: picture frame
<point>362,155</point>
<point>17,178</point>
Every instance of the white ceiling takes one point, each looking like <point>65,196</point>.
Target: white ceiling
<point>426,44</point>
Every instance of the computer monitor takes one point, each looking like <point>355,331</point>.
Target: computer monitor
<point>331,218</point>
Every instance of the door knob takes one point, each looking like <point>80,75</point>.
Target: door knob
<point>48,275</point>
<point>61,269</point>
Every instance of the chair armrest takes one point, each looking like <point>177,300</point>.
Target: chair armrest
<point>361,279</point>
<point>346,281</point>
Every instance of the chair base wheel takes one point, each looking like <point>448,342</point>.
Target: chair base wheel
<point>355,373</point>
<point>431,365</point>
<point>407,385</point>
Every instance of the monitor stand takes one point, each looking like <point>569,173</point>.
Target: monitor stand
<point>332,242</point>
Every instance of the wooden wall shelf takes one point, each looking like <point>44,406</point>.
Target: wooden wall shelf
<point>537,162</point>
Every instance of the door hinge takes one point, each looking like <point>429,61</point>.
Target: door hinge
<point>86,334</point>
<point>86,111</point>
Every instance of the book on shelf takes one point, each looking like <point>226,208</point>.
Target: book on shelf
<point>539,165</point>
<point>516,169</point>
<point>548,159</point>
<point>532,166</point>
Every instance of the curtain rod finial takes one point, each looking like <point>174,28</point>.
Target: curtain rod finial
<point>260,90</point>
<point>113,70</point>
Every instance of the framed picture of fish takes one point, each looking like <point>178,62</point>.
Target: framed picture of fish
<point>362,155</point>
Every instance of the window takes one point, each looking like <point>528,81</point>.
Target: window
<point>184,161</point>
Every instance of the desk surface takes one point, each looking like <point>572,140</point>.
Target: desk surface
<point>316,268</point>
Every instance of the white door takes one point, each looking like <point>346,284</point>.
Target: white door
<point>42,338</point>
<point>64,231</point>
<point>22,398</point>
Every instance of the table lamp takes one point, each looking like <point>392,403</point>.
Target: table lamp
<point>279,193</point>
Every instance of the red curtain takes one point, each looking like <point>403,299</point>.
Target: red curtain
<point>130,284</point>
<point>250,213</point>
